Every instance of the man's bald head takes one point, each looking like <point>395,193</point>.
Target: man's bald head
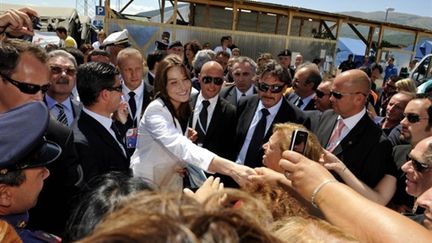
<point>211,79</point>
<point>211,65</point>
<point>356,79</point>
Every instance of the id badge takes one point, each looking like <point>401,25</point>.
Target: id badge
<point>131,137</point>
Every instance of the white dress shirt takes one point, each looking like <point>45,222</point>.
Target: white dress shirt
<point>257,117</point>
<point>349,123</point>
<point>199,106</point>
<point>139,97</point>
<point>239,94</point>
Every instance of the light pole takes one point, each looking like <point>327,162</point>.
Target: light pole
<point>387,11</point>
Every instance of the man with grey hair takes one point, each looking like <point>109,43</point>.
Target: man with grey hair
<point>199,60</point>
<point>62,67</point>
<point>243,72</point>
<point>305,82</point>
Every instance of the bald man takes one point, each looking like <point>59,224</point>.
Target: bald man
<point>349,133</point>
<point>214,118</point>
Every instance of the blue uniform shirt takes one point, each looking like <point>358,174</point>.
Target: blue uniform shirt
<point>19,222</point>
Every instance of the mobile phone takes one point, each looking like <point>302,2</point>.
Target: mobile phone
<point>299,141</point>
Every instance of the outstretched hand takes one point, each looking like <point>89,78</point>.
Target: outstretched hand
<point>331,162</point>
<point>209,187</point>
<point>241,174</point>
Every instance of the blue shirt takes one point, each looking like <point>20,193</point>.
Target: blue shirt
<point>19,221</point>
<point>390,71</point>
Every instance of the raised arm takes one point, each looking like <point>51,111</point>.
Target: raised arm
<point>342,206</point>
<point>381,193</point>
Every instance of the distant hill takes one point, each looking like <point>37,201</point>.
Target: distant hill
<point>395,17</point>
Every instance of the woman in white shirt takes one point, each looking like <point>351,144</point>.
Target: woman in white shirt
<point>162,149</point>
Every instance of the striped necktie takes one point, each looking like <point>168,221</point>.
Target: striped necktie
<point>61,115</point>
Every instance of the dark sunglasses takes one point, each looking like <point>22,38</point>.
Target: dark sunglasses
<point>275,88</point>
<point>320,94</point>
<point>26,87</point>
<point>418,166</point>
<point>215,80</point>
<point>339,95</point>
<point>115,88</point>
<point>60,70</point>
<point>413,118</point>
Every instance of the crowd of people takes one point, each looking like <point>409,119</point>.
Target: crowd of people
<point>190,144</point>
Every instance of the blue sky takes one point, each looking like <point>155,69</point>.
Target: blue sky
<point>418,7</point>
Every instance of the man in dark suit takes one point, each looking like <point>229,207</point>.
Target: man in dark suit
<point>218,132</point>
<point>62,66</point>
<point>416,126</point>
<point>98,141</point>
<point>257,114</point>
<point>305,82</point>
<point>26,61</point>
<point>136,92</point>
<point>349,133</point>
<point>243,72</point>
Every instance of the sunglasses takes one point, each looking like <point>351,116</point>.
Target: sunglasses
<point>275,88</point>
<point>418,166</point>
<point>320,94</point>
<point>27,88</point>
<point>215,80</point>
<point>115,88</point>
<point>59,70</point>
<point>413,118</point>
<point>339,95</point>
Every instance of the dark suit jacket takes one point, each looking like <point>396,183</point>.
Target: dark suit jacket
<point>246,111</point>
<point>147,98</point>
<point>221,130</point>
<point>364,150</point>
<point>229,94</point>
<point>292,97</point>
<point>53,209</point>
<point>98,150</point>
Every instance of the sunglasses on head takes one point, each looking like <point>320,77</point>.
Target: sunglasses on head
<point>320,94</point>
<point>275,88</point>
<point>26,87</point>
<point>418,166</point>
<point>115,88</point>
<point>215,80</point>
<point>412,117</point>
<point>339,95</point>
<point>59,70</point>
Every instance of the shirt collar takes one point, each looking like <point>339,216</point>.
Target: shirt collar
<point>351,121</point>
<point>212,101</point>
<point>273,110</point>
<point>51,103</point>
<point>307,99</point>
<point>250,91</point>
<point>105,121</point>
<point>138,91</point>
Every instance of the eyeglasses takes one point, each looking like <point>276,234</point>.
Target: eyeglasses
<point>413,118</point>
<point>339,95</point>
<point>215,80</point>
<point>275,88</point>
<point>115,88</point>
<point>320,94</point>
<point>418,166</point>
<point>26,87</point>
<point>59,70</point>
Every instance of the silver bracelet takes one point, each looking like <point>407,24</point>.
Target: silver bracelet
<point>318,188</point>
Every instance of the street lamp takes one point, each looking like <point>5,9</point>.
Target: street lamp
<point>387,11</point>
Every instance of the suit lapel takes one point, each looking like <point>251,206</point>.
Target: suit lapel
<point>100,131</point>
<point>192,102</point>
<point>250,108</point>
<point>351,137</point>
<point>216,116</point>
